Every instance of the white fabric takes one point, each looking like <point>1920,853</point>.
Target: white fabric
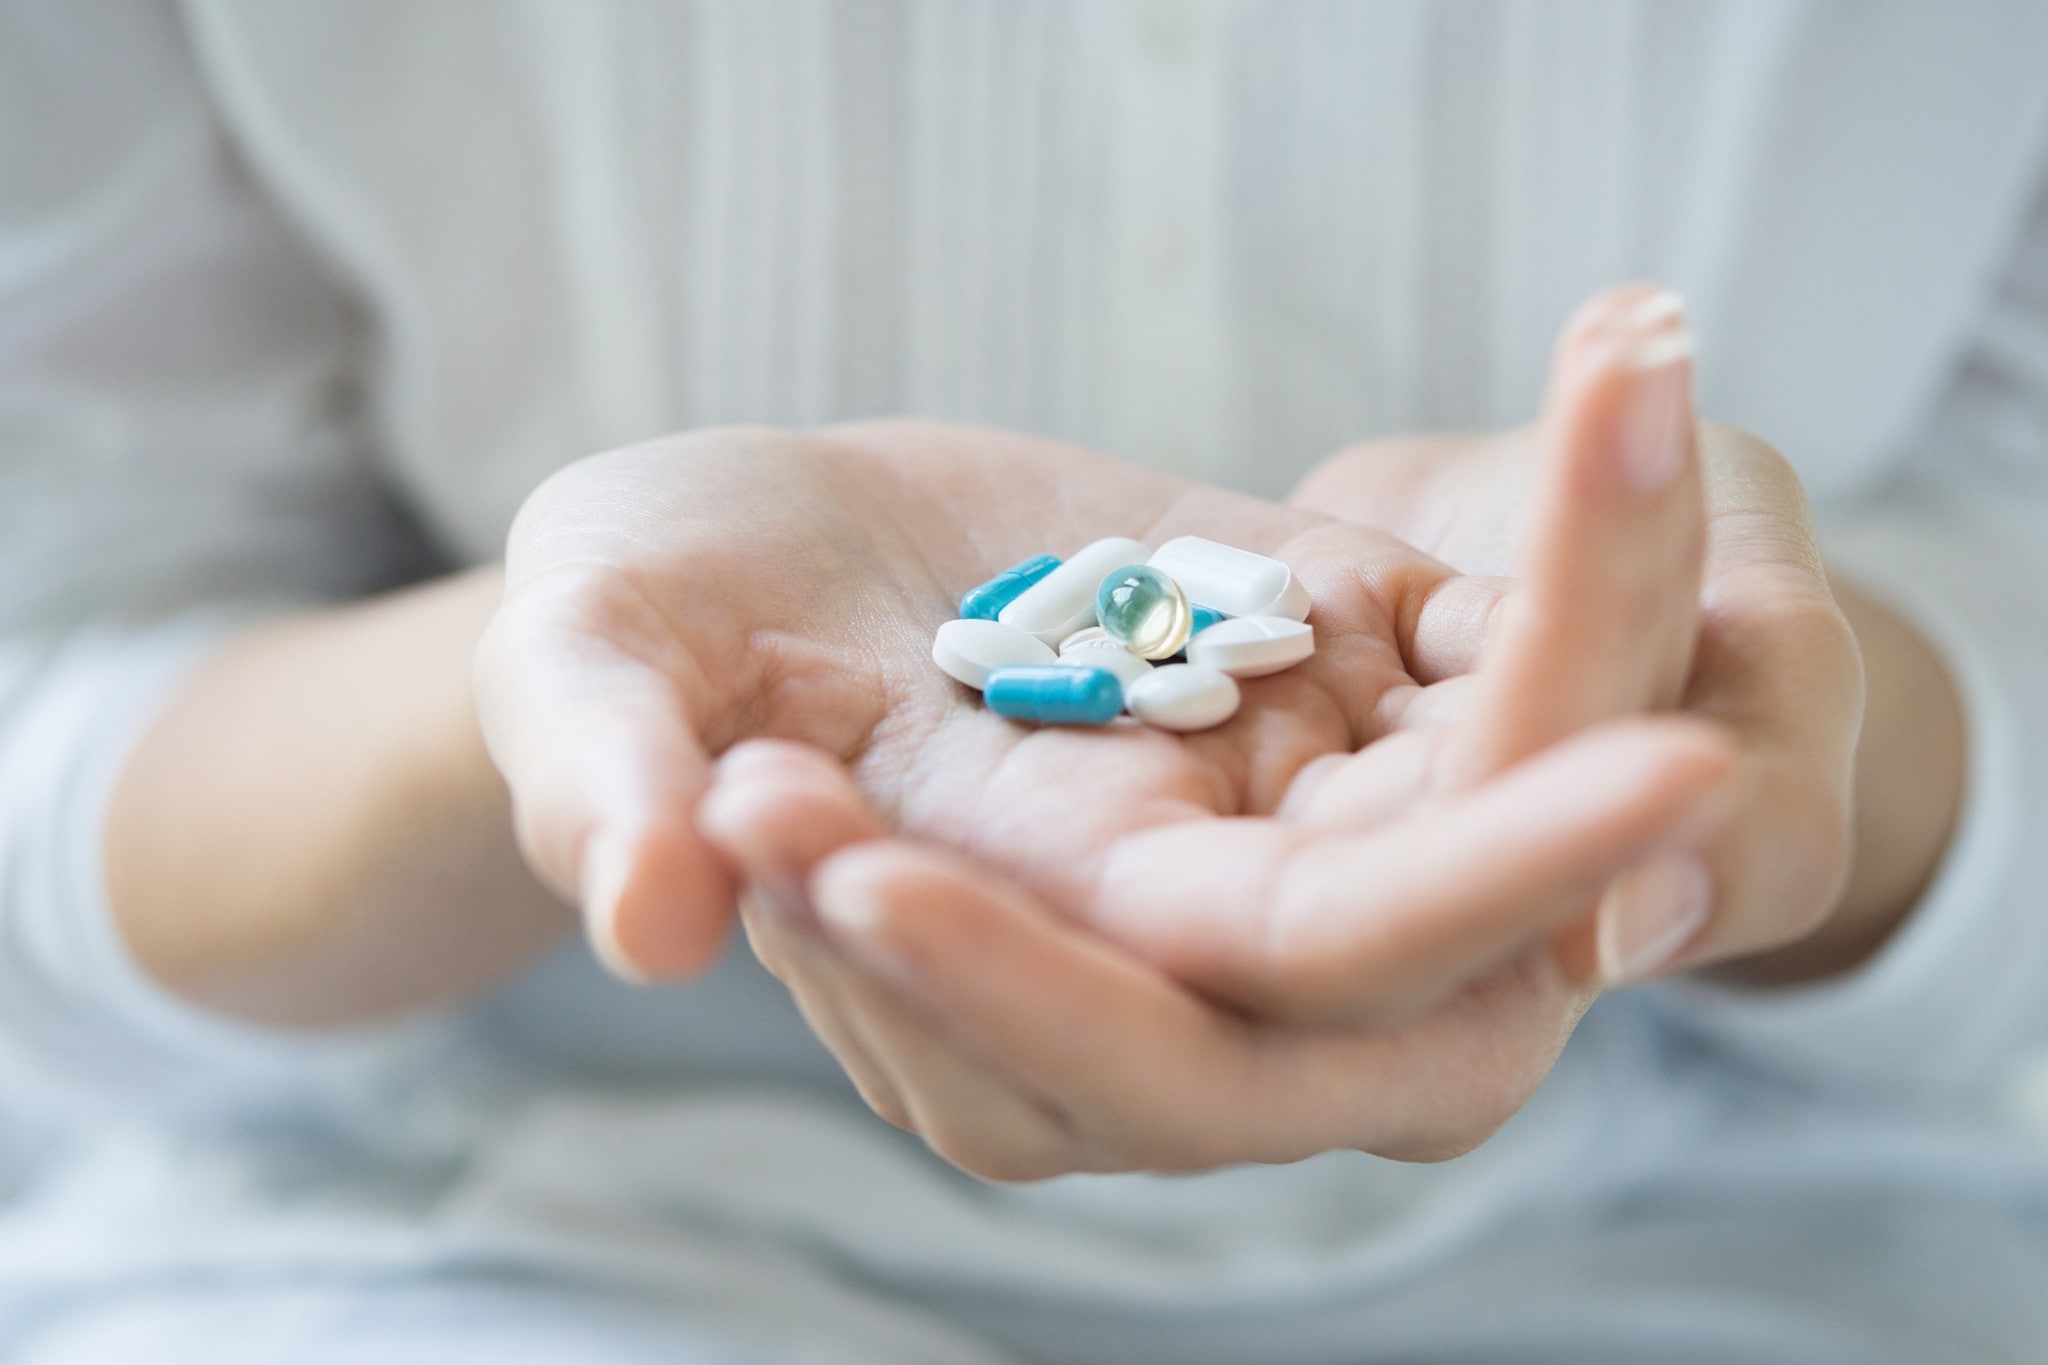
<point>296,298</point>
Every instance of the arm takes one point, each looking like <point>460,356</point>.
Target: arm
<point>173,466</point>
<point>310,832</point>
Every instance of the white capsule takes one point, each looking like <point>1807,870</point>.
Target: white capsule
<point>1106,654</point>
<point>1233,581</point>
<point>969,650</point>
<point>1182,697</point>
<point>1063,601</point>
<point>1253,646</point>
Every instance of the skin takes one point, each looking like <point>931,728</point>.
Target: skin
<point>1254,944</point>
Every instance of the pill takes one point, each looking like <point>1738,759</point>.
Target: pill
<point>1056,694</point>
<point>1233,581</point>
<point>1144,611</point>
<point>1108,655</point>
<point>969,650</point>
<point>1183,697</point>
<point>1087,635</point>
<point>987,601</point>
<point>1203,618</point>
<point>1063,601</point>
<point>1253,646</point>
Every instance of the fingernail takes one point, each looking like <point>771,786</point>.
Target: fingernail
<point>1651,914</point>
<point>607,863</point>
<point>1658,306</point>
<point>1656,423</point>
<point>854,916</point>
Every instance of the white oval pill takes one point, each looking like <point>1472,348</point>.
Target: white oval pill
<point>1253,646</point>
<point>1233,581</point>
<point>1063,601</point>
<point>1108,655</point>
<point>969,650</point>
<point>1182,697</point>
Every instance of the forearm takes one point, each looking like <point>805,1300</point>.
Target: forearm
<point>1910,770</point>
<point>311,832</point>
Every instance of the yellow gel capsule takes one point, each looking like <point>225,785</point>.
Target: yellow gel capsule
<point>1144,611</point>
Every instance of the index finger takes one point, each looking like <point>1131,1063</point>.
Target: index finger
<point>1603,622</point>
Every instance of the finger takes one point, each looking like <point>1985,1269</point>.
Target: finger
<point>601,754</point>
<point>1450,630</point>
<point>1603,623</point>
<point>1148,1075</point>
<point>1382,782</point>
<point>1780,666</point>
<point>1348,927</point>
<point>967,1104</point>
<point>790,954</point>
<point>778,809</point>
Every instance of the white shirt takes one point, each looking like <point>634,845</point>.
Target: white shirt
<point>297,300</point>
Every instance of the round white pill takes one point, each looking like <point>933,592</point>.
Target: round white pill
<point>1107,655</point>
<point>1252,646</point>
<point>1182,697</point>
<point>969,650</point>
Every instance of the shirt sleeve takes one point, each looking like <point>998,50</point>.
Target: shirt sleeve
<point>1955,1007</point>
<point>179,452</point>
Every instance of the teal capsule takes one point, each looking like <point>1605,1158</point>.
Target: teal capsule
<point>1144,611</point>
<point>984,602</point>
<point>1055,694</point>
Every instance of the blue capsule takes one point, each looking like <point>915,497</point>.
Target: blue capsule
<point>984,602</point>
<point>1055,694</point>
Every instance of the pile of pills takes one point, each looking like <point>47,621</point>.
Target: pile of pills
<point>1119,627</point>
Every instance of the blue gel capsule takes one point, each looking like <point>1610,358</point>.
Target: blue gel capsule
<point>1055,694</point>
<point>984,602</point>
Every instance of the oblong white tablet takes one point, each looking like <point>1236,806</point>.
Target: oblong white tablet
<point>1253,646</point>
<point>1182,697</point>
<point>969,650</point>
<point>1063,601</point>
<point>1233,581</point>
<point>1106,654</point>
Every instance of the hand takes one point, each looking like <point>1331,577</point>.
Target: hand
<point>1775,666</point>
<point>1395,924</point>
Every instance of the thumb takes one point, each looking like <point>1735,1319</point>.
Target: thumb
<point>605,764</point>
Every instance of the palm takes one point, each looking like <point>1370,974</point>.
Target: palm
<point>810,617</point>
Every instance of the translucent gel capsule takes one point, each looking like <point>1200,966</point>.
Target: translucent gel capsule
<point>1144,611</point>
<point>1055,694</point>
<point>987,601</point>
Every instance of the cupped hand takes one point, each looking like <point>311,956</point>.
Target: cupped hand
<point>1773,665</point>
<point>1356,916</point>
